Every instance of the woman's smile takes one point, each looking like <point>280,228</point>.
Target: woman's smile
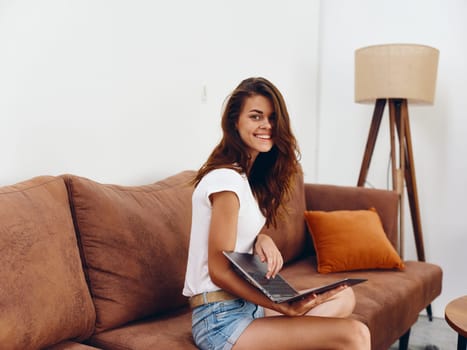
<point>255,125</point>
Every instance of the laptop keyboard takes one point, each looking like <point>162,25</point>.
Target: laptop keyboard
<point>275,286</point>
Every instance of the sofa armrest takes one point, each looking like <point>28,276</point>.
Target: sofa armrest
<point>332,197</point>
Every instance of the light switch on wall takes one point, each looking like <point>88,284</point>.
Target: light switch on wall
<point>204,94</point>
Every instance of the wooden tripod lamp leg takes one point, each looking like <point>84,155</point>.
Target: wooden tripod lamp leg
<point>403,128</point>
<point>392,127</point>
<point>412,186</point>
<point>371,141</point>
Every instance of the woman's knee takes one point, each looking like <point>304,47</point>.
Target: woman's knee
<point>354,335</point>
<point>360,335</point>
<point>350,299</point>
<point>346,302</point>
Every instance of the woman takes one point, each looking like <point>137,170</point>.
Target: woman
<point>238,190</point>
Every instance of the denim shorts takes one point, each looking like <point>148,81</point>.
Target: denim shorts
<point>218,325</point>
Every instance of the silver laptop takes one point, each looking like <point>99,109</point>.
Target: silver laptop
<point>277,289</point>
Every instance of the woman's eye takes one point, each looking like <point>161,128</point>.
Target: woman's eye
<point>255,117</point>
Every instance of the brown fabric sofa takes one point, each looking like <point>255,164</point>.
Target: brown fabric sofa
<point>85,265</point>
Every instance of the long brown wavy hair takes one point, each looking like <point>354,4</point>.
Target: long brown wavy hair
<point>271,175</point>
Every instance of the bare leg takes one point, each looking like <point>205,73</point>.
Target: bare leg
<point>325,327</point>
<point>305,332</point>
<point>340,305</point>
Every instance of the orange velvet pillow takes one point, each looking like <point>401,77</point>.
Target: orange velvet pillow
<point>347,240</point>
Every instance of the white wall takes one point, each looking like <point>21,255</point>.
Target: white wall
<point>113,90</point>
<point>131,91</point>
<point>438,132</point>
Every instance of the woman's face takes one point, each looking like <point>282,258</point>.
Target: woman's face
<point>255,125</point>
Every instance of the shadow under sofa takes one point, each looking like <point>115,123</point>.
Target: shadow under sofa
<point>86,265</point>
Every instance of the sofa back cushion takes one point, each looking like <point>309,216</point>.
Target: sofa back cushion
<point>43,293</point>
<point>290,233</point>
<point>134,242</point>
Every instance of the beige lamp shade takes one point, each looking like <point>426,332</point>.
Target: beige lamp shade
<point>396,71</point>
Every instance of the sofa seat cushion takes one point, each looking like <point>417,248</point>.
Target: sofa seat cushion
<point>134,242</point>
<point>388,298</point>
<point>44,298</point>
<point>171,331</point>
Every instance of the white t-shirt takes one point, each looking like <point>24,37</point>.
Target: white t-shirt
<point>250,222</point>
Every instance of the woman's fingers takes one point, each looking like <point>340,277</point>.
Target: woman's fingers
<point>268,252</point>
<point>275,263</point>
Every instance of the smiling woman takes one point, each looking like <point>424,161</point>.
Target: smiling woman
<point>264,149</point>
<point>255,124</point>
<point>238,190</point>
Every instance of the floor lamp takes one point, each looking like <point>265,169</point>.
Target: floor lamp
<point>396,75</point>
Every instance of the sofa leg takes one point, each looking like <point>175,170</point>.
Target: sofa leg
<point>404,341</point>
<point>429,312</point>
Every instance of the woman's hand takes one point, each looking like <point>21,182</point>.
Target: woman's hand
<point>267,251</point>
<point>303,306</point>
